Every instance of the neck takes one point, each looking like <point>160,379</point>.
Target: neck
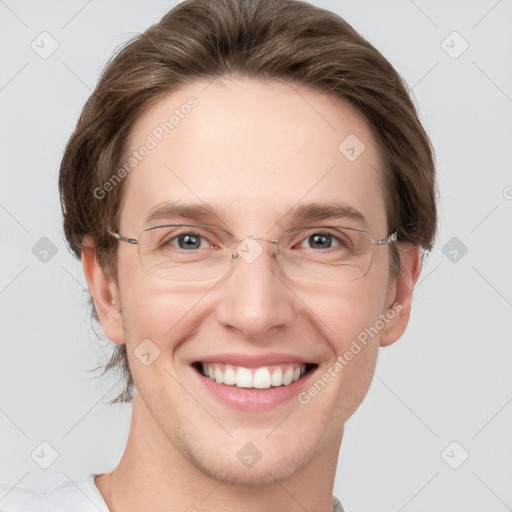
<point>155,475</point>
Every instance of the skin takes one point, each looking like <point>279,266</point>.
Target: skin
<point>252,150</point>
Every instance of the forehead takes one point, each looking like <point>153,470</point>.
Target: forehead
<point>253,151</point>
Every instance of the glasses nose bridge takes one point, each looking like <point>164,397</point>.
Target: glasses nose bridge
<point>249,249</point>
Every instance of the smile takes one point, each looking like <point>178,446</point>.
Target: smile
<point>263,377</point>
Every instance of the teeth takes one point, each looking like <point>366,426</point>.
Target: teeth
<point>261,379</point>
<point>243,378</point>
<point>288,376</point>
<point>277,377</point>
<point>258,378</point>
<point>219,376</point>
<point>229,376</point>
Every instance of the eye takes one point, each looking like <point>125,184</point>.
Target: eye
<point>188,241</point>
<point>320,241</point>
<point>183,240</point>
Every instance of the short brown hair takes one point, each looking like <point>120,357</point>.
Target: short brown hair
<point>199,40</point>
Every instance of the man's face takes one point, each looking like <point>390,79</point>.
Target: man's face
<point>254,153</point>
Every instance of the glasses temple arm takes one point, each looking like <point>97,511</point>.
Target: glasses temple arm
<point>391,238</point>
<point>123,238</point>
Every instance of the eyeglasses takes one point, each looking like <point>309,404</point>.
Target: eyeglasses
<point>199,253</point>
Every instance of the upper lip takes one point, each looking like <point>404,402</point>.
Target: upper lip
<point>252,361</point>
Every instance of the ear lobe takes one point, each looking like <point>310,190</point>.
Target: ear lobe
<point>105,294</point>
<point>400,297</point>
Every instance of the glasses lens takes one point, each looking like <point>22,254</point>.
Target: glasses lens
<point>185,252</point>
<point>197,253</point>
<point>326,253</point>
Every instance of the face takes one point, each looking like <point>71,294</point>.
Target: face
<point>253,155</point>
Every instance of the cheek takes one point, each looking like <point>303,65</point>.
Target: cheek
<point>157,322</point>
<point>345,319</point>
<point>347,312</point>
<point>152,308</point>
<point>350,321</point>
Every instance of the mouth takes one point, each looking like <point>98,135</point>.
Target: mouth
<point>259,378</point>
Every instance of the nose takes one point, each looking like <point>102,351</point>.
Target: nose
<point>256,298</point>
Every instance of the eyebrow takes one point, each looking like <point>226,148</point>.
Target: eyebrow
<point>167,210</point>
<point>311,212</point>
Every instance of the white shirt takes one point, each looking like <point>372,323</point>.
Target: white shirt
<point>80,495</point>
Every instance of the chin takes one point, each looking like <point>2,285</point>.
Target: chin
<point>235,473</point>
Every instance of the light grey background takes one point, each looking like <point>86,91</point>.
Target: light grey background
<point>449,378</point>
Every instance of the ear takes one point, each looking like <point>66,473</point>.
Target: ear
<point>104,292</point>
<point>400,294</point>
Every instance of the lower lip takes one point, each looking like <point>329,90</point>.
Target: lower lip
<point>251,399</point>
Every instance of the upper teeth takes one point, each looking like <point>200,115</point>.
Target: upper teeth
<point>260,378</point>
